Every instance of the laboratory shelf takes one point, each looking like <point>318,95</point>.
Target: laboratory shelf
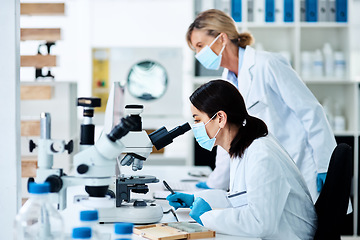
<point>319,25</point>
<point>345,133</point>
<point>328,81</point>
<point>268,25</point>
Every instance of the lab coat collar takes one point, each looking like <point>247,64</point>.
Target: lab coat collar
<point>245,76</point>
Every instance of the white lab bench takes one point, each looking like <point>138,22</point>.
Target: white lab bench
<point>168,173</point>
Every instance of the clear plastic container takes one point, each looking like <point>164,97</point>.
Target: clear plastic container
<point>81,233</point>
<point>38,219</point>
<point>306,64</point>
<point>123,231</point>
<point>328,60</point>
<point>318,64</point>
<point>340,64</point>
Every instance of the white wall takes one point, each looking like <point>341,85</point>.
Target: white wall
<point>10,185</point>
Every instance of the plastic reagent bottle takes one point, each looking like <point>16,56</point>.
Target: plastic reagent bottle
<point>81,233</point>
<point>340,64</point>
<point>123,231</point>
<point>90,218</point>
<point>38,219</point>
<point>306,64</point>
<point>318,64</point>
<point>328,60</point>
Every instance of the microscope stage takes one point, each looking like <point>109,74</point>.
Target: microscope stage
<point>152,213</point>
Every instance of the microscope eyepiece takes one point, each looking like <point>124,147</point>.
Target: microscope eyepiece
<point>161,137</point>
<point>126,124</point>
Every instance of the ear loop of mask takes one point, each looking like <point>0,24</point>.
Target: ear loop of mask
<point>222,49</point>
<point>211,118</point>
<point>209,121</point>
<point>217,132</point>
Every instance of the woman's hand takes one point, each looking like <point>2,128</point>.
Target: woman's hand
<point>199,207</point>
<point>180,200</point>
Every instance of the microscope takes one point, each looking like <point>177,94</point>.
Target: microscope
<point>94,165</point>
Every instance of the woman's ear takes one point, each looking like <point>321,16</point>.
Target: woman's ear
<point>224,39</point>
<point>222,119</point>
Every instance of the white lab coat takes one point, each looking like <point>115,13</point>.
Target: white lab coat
<point>273,92</point>
<point>278,203</point>
<point>222,166</point>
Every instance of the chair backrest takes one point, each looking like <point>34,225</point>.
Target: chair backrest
<point>332,204</point>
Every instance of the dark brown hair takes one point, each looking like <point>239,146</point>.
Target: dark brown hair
<point>218,95</point>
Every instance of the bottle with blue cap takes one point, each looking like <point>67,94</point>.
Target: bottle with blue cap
<point>123,231</point>
<point>81,233</point>
<point>90,218</point>
<point>38,219</point>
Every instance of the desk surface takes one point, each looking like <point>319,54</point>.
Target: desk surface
<point>168,173</point>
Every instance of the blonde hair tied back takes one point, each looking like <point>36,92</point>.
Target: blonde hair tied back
<point>214,22</point>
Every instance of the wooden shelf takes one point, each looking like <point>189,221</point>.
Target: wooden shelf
<point>30,128</point>
<point>36,92</point>
<point>38,61</point>
<point>28,167</point>
<point>42,8</point>
<point>47,34</point>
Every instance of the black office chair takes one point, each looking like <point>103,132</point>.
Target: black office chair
<point>332,204</point>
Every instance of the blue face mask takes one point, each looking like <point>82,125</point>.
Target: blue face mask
<point>201,136</point>
<point>208,58</point>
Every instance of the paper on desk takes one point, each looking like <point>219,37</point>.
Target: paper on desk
<point>183,215</point>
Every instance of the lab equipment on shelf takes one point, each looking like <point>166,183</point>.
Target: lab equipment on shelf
<point>38,219</point>
<point>325,64</point>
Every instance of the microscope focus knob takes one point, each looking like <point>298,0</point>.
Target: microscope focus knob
<point>55,183</point>
<point>70,146</point>
<point>82,168</point>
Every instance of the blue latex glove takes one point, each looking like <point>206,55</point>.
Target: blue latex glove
<point>202,185</point>
<point>320,181</point>
<point>180,200</point>
<point>199,207</point>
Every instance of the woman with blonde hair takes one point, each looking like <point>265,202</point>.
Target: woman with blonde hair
<point>272,91</point>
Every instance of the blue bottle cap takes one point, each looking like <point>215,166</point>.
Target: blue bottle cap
<point>81,233</point>
<point>89,215</point>
<point>123,228</point>
<point>39,188</point>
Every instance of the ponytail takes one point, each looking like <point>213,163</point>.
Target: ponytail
<point>245,39</point>
<point>253,128</point>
